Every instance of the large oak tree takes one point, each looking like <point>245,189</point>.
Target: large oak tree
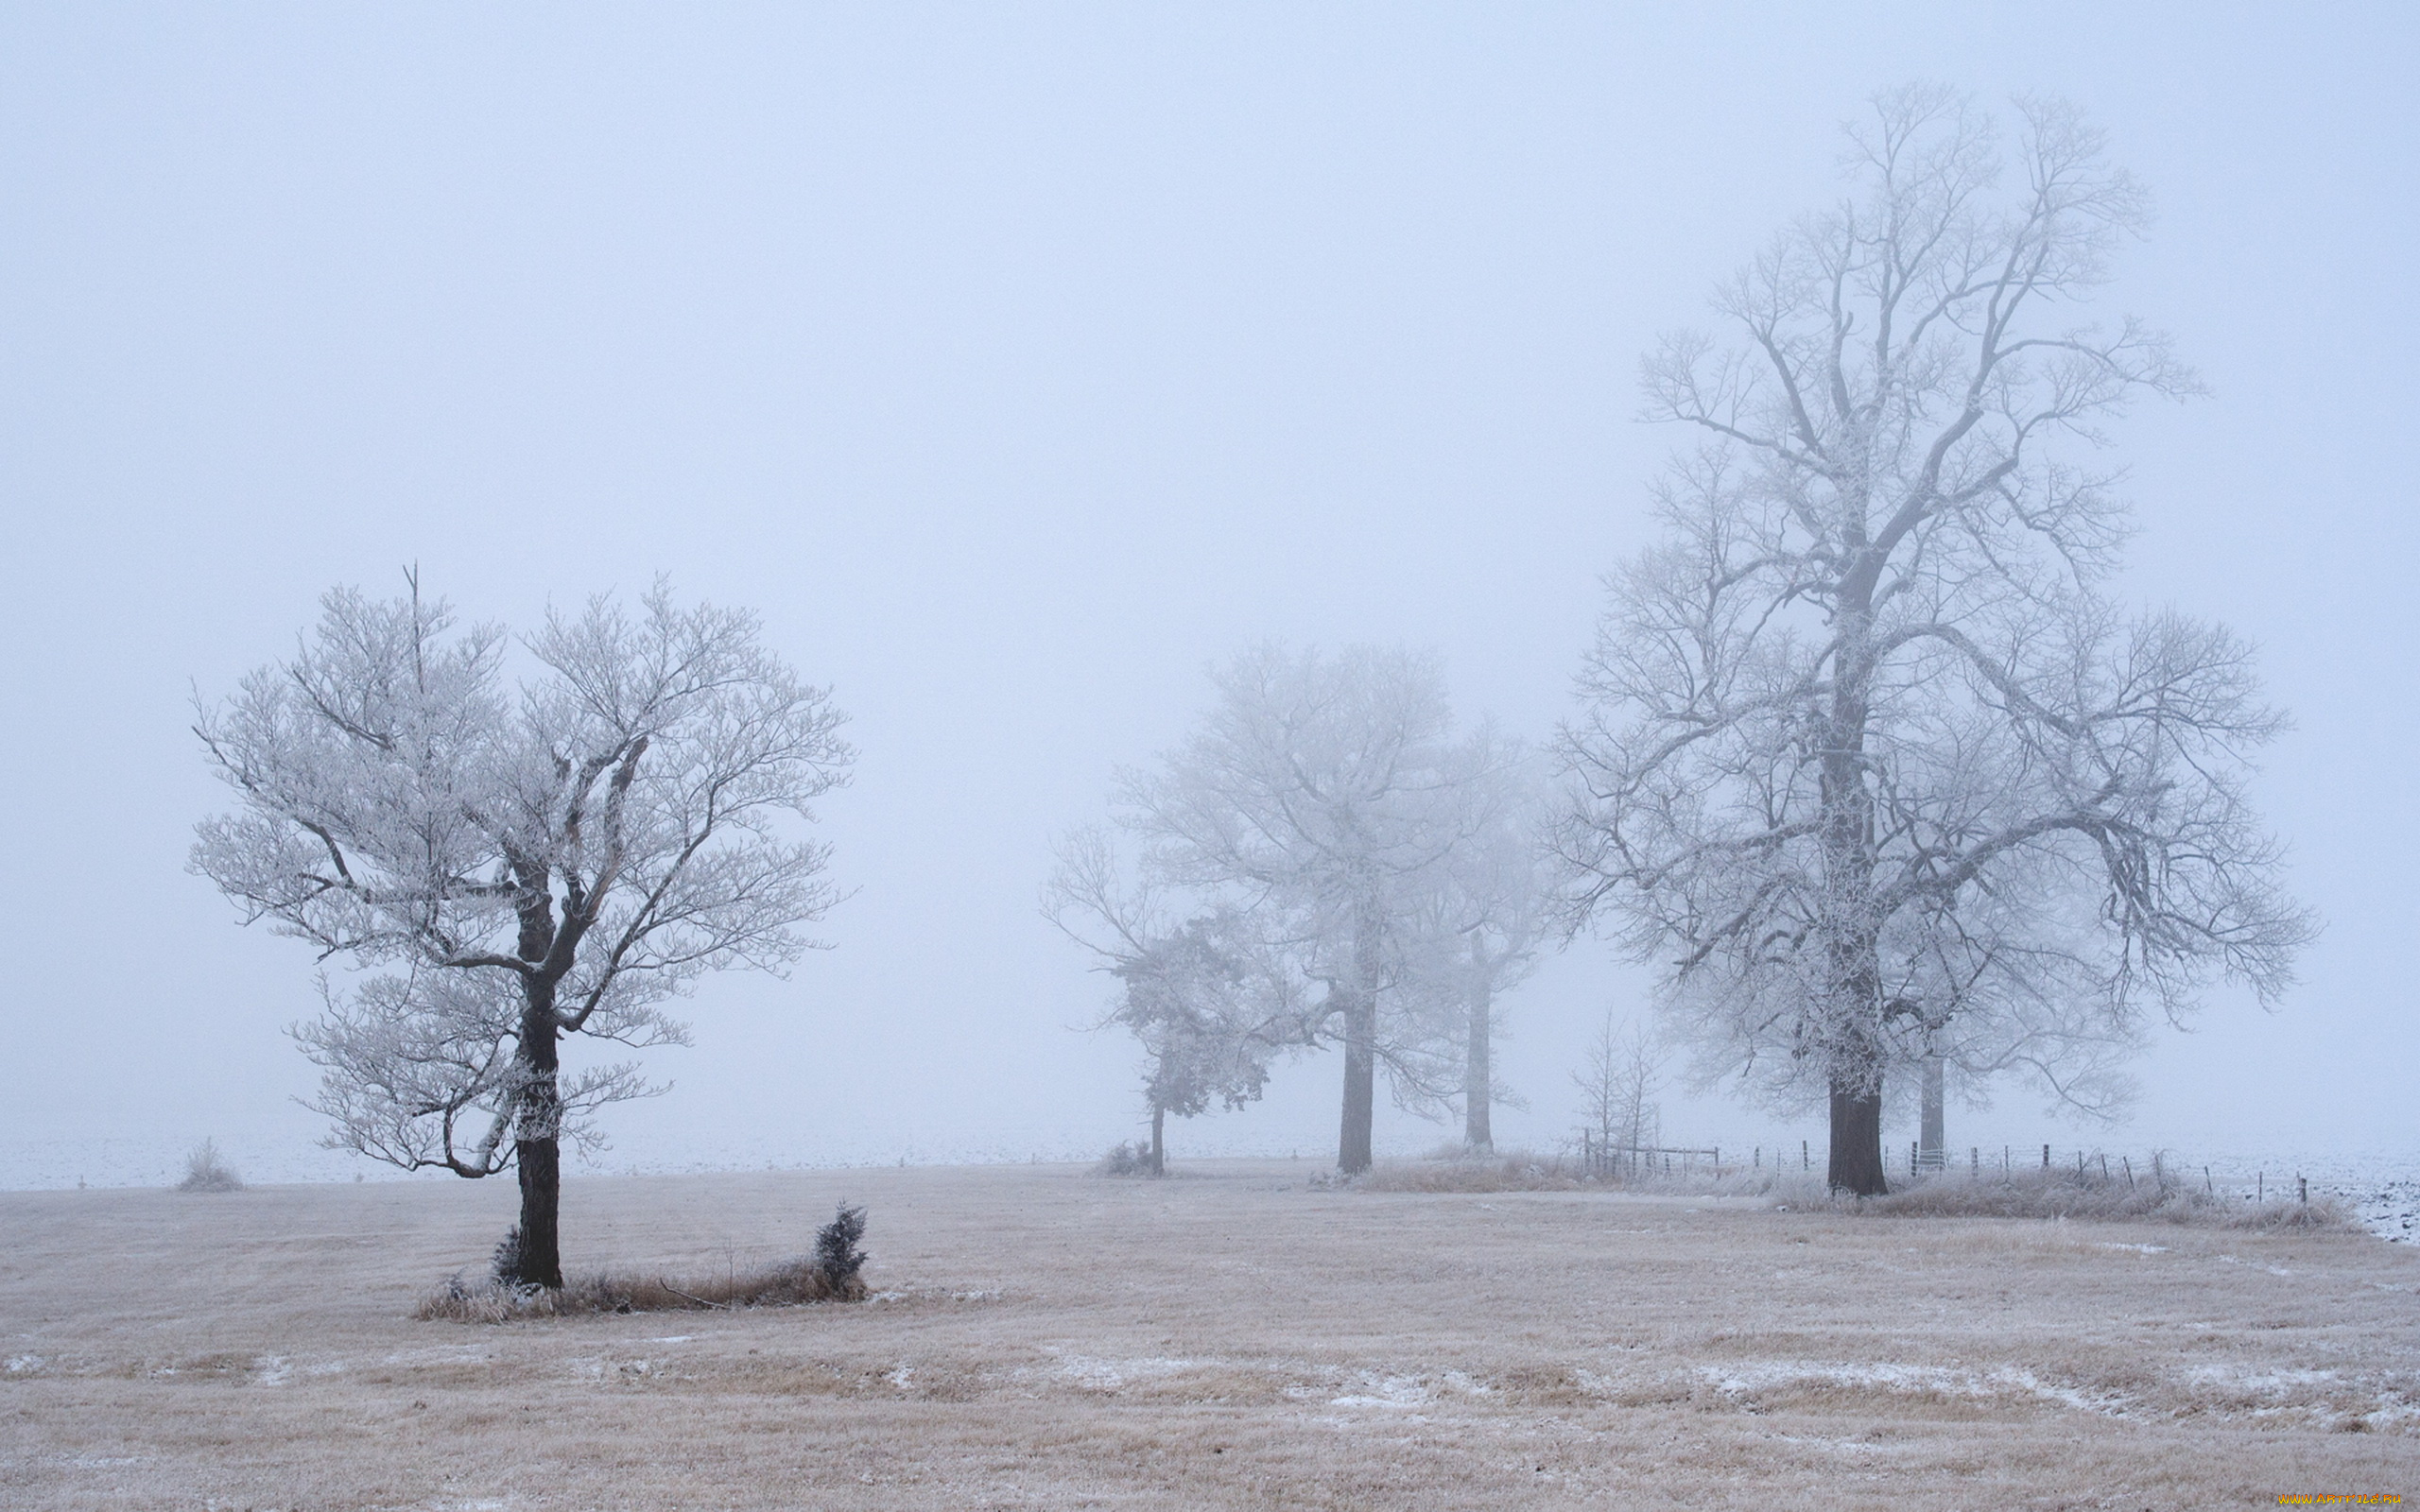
<point>1867,758</point>
<point>508,866</point>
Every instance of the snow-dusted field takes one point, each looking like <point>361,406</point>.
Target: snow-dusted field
<point>1228,1339</point>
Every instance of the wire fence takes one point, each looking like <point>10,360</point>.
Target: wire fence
<point>1606,1159</point>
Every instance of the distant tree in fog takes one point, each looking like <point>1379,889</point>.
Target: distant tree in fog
<point>1623,1071</point>
<point>1478,919</point>
<point>1317,802</point>
<point>1210,1000</point>
<point>515,865</point>
<point>1865,757</point>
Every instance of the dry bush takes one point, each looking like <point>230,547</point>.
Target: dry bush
<point>206,1171</point>
<point>788,1284</point>
<point>1125,1159</point>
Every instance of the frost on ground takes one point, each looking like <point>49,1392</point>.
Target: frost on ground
<point>1233,1340</point>
<point>2388,1210</point>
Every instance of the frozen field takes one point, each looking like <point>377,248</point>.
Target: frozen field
<point>1228,1338</point>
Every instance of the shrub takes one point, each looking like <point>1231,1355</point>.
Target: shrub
<point>1125,1159</point>
<point>504,1269</point>
<point>837,1254</point>
<point>206,1171</point>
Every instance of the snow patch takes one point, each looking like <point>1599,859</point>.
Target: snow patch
<point>1765,1375</point>
<point>1392,1392</point>
<point>1093,1374</point>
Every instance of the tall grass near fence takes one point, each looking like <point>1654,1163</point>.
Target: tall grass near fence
<point>2158,1194</point>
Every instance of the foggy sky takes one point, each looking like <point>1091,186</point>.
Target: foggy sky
<point>1018,362</point>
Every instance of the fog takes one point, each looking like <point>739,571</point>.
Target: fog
<point>1017,365</point>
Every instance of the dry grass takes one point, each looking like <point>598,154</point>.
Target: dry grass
<point>1509,1171</point>
<point>785,1283</point>
<point>2051,1195</point>
<point>2059,1196</point>
<point>1235,1340</point>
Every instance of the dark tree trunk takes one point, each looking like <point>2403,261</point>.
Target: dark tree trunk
<point>538,1144</point>
<point>1360,1045</point>
<point>1857,1140</point>
<point>1478,1073</point>
<point>1159,1143</point>
<point>1853,1016</point>
<point>1360,1083</point>
<point>1930,1134</point>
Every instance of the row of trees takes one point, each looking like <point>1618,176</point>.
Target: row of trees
<point>1866,761</point>
<point>1325,863</point>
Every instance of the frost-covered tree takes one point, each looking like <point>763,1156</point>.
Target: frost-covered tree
<point>507,866</point>
<point>1480,918</point>
<point>1316,799</point>
<point>1866,757</point>
<point>1617,1082</point>
<point>1211,1001</point>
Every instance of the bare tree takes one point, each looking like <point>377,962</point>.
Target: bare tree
<point>1482,917</point>
<point>1316,798</point>
<point>1864,756</point>
<point>1212,1002</point>
<point>510,867</point>
<point>1617,1086</point>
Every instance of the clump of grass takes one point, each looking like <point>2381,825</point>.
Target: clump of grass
<point>785,1284</point>
<point>206,1171</point>
<point>829,1276</point>
<point>1125,1157</point>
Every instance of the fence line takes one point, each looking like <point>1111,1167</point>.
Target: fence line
<point>2097,1167</point>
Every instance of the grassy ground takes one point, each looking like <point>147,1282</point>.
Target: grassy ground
<point>1228,1339</point>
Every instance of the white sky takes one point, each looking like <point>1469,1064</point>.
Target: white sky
<point>1016,362</point>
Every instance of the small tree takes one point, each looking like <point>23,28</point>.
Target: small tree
<point>206,1170</point>
<point>1865,757</point>
<point>1617,1084</point>
<point>510,867</point>
<point>1210,1002</point>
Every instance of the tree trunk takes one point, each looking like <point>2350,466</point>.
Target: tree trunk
<point>1159,1145</point>
<point>1478,1074</point>
<point>1857,1139</point>
<point>537,1144</point>
<point>1360,1045</point>
<point>1929,1133</point>
<point>1853,1012</point>
<point>1360,1083</point>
